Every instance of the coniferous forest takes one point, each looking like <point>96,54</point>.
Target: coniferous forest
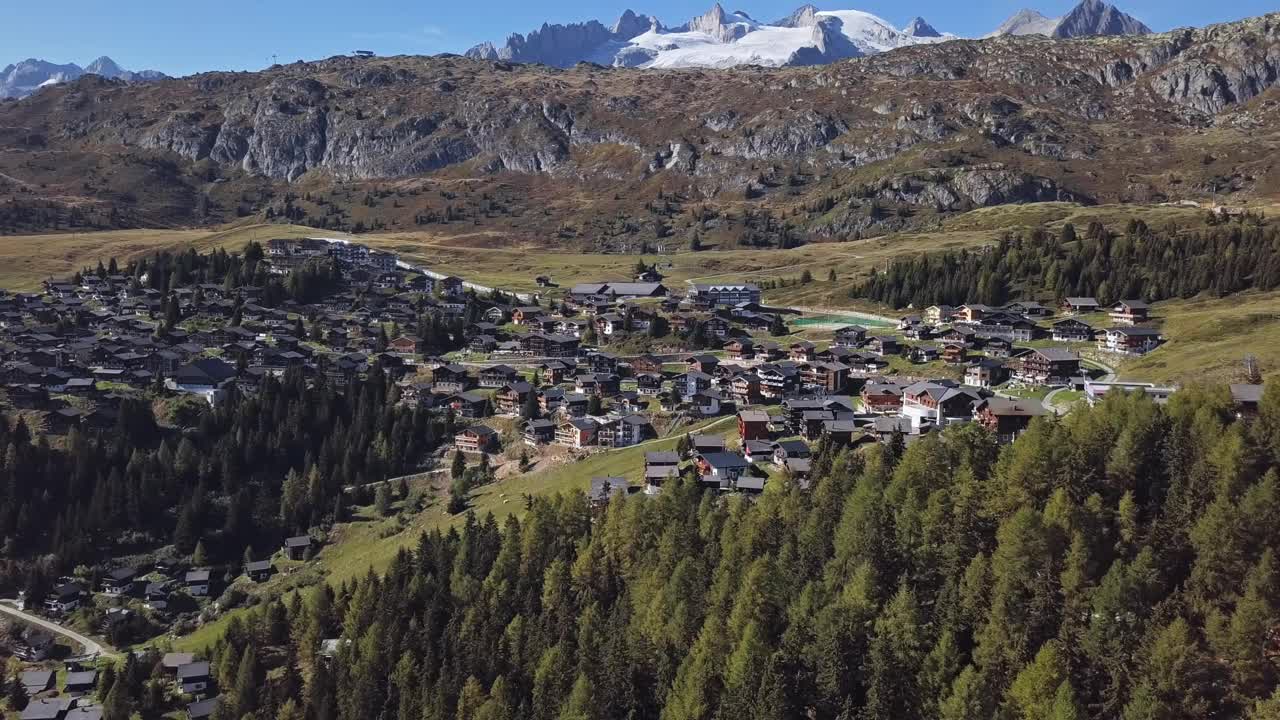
<point>1119,562</point>
<point>1138,263</point>
<point>251,471</point>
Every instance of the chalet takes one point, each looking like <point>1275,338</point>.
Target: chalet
<point>706,403</point>
<point>207,377</point>
<point>35,682</point>
<point>727,294</point>
<point>602,362</point>
<point>405,344</point>
<point>938,314</point>
<point>649,384</point>
<point>828,377</point>
<point>450,286</point>
<point>721,469</point>
<point>497,376</point>
<point>1079,305</point>
<point>778,381</point>
<point>955,353</point>
<point>702,363</point>
<point>923,353</point>
<point>512,397</point>
<point>120,581</point>
<point>538,432</point>
<point>986,373</point>
<point>883,346</point>
<point>623,431</point>
<point>744,387</point>
<point>1048,366</point>
<point>879,396</point>
<point>170,662</point>
<point>973,313</point>
<point>64,598</point>
<point>1129,340</point>
<point>531,315</point>
<point>964,334</point>
<point>470,405</point>
<point>939,402</point>
<point>258,570</point>
<point>296,547</point>
<point>203,709</point>
<point>785,450</point>
<point>691,383</point>
<point>701,444</point>
<point>47,709</point>
<point>599,384</point>
<point>540,344</point>
<point>997,347</point>
<point>555,371</point>
<point>1130,312</point>
<point>740,349</point>
<point>1247,399</point>
<point>155,596</point>
<point>1029,308</point>
<point>844,433</point>
<point>850,336</point>
<point>1009,327</point>
<point>753,425</point>
<point>194,678</point>
<point>1006,418</point>
<point>450,378</point>
<point>80,682</point>
<point>476,439</point>
<point>576,433</point>
<point>196,582</point>
<point>803,351</point>
<point>757,450</point>
<point>602,489</point>
<point>812,421</point>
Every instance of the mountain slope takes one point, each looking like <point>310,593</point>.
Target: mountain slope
<point>601,157</point>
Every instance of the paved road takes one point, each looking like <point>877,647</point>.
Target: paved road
<point>91,647</point>
<point>1108,376</point>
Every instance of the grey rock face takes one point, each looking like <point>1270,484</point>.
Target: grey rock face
<point>919,28</point>
<point>1094,17</point>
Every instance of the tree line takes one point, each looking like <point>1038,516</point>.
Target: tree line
<point>1139,263</point>
<point>1119,562</point>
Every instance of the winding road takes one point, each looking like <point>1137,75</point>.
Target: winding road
<point>91,646</point>
<point>1109,375</point>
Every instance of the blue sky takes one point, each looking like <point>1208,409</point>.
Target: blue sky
<point>176,38</point>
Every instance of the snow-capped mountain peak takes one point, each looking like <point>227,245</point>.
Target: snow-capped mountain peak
<point>919,28</point>
<point>23,78</point>
<point>716,38</point>
<point>808,36</point>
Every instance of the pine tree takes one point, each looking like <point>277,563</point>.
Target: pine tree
<point>382,501</point>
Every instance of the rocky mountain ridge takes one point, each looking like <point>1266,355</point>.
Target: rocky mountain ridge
<point>722,39</point>
<point>23,78</point>
<point>897,139</point>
